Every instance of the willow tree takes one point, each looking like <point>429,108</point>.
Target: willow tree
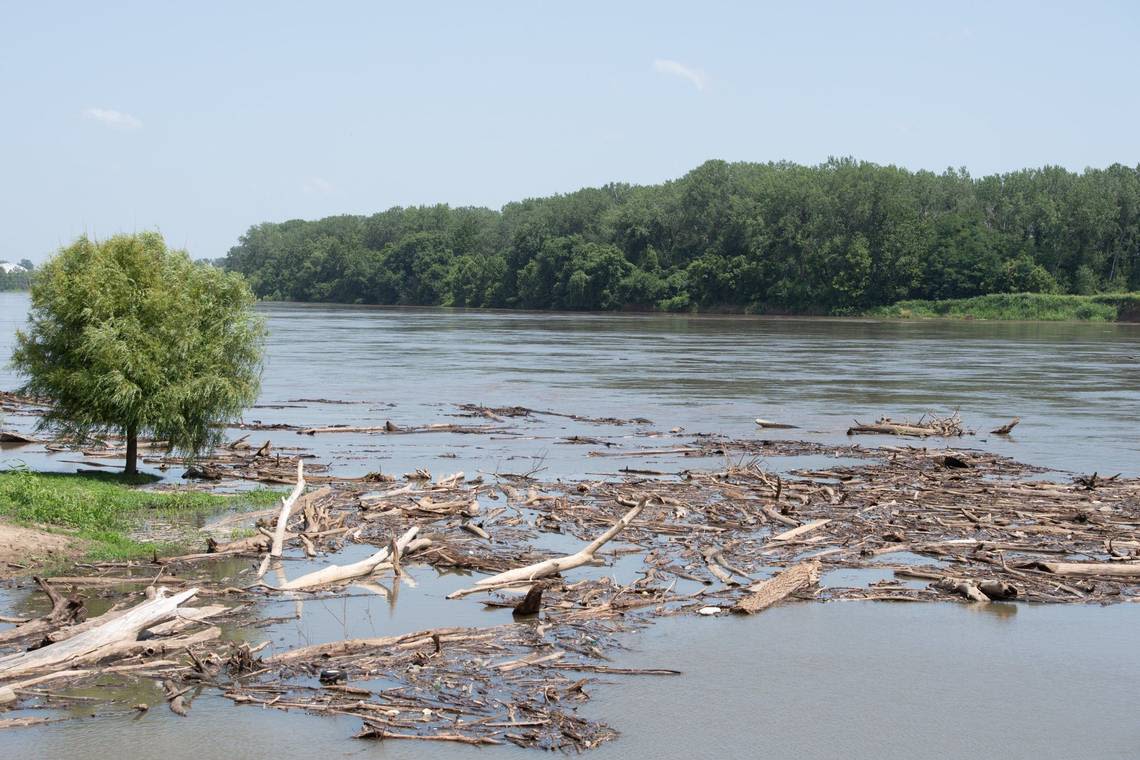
<point>128,336</point>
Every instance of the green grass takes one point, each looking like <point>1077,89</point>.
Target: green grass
<point>102,509</point>
<point>1021,306</point>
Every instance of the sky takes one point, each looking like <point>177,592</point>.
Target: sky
<point>202,119</point>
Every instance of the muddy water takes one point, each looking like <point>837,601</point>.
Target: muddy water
<point>843,679</point>
<point>859,680</point>
<point>1075,385</point>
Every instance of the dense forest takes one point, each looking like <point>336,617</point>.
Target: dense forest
<point>838,238</point>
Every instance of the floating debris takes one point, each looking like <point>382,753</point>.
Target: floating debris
<point>974,527</point>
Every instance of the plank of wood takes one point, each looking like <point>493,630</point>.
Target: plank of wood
<point>788,535</point>
<point>1116,569</point>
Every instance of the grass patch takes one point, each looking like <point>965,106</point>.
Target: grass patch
<point>1045,307</point>
<point>103,508</point>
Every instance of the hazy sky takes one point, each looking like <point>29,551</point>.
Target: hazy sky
<point>201,119</point>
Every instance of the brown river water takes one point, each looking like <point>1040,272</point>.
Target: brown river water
<point>843,679</point>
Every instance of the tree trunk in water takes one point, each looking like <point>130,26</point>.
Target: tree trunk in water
<point>132,450</point>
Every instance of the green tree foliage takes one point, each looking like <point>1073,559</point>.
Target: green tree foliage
<point>779,237</point>
<point>125,335</point>
<point>18,279</point>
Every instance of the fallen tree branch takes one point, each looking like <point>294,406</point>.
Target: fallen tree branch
<point>775,516</point>
<point>335,573</point>
<point>557,565</point>
<point>374,730</point>
<point>350,647</point>
<point>63,610</point>
<point>1006,428</point>
<point>286,508</point>
<point>948,427</point>
<point>283,519</point>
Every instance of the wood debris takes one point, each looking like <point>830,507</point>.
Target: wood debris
<point>943,523</point>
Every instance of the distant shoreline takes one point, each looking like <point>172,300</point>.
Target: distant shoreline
<point>1037,307</point>
<point>997,307</point>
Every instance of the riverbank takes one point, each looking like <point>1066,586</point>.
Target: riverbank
<point>1020,307</point>
<point>1039,307</point>
<point>100,516</point>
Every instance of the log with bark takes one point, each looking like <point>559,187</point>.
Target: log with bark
<point>531,603</point>
<point>1007,428</point>
<point>988,590</point>
<point>764,594</point>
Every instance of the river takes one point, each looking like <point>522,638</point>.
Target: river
<point>857,679</point>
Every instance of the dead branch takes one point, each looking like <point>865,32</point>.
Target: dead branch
<point>337,573</point>
<point>581,557</point>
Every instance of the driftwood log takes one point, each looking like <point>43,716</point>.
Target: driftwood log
<point>1007,428</point>
<point>91,645</point>
<point>286,509</point>
<point>583,556</point>
<point>283,519</point>
<point>949,427</point>
<point>63,610</point>
<point>788,535</point>
<point>1119,569</point>
<point>764,594</point>
<point>337,573</point>
<point>774,425</point>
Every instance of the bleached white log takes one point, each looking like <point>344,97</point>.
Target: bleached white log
<point>336,573</point>
<point>286,509</point>
<point>583,556</point>
<point>86,646</point>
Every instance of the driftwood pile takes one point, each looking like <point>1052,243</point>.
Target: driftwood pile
<point>929,524</point>
<point>928,426</point>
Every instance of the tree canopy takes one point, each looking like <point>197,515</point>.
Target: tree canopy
<point>126,335</point>
<point>840,237</point>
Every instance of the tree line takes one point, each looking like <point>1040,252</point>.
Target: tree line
<point>840,237</point>
<point>18,277</point>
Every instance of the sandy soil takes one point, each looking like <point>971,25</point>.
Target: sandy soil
<point>24,549</point>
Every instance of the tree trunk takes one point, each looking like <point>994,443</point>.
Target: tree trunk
<point>93,644</point>
<point>132,450</point>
